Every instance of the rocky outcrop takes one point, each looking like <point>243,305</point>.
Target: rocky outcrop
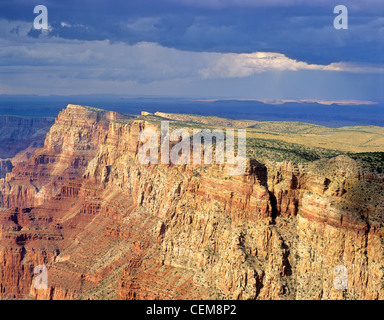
<point>108,227</point>
<point>69,146</point>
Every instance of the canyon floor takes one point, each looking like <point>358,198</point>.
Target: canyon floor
<point>75,198</point>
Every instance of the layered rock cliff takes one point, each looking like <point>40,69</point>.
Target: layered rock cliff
<point>108,227</point>
<point>19,138</point>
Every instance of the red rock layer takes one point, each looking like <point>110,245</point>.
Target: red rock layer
<point>107,227</point>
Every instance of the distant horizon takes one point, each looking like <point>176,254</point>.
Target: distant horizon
<point>316,112</point>
<point>350,102</point>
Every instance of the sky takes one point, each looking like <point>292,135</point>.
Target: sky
<point>244,49</point>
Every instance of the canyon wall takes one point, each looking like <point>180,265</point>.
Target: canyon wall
<point>18,134</point>
<point>19,138</point>
<point>108,227</point>
<point>5,167</point>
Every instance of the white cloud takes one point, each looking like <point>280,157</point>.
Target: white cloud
<point>230,65</point>
<point>146,62</point>
<point>63,62</point>
<point>68,25</point>
<point>356,68</point>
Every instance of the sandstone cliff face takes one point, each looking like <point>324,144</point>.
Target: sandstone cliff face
<point>68,147</point>
<point>108,227</point>
<point>19,138</point>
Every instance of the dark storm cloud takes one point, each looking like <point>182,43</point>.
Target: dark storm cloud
<point>238,48</point>
<point>302,30</point>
